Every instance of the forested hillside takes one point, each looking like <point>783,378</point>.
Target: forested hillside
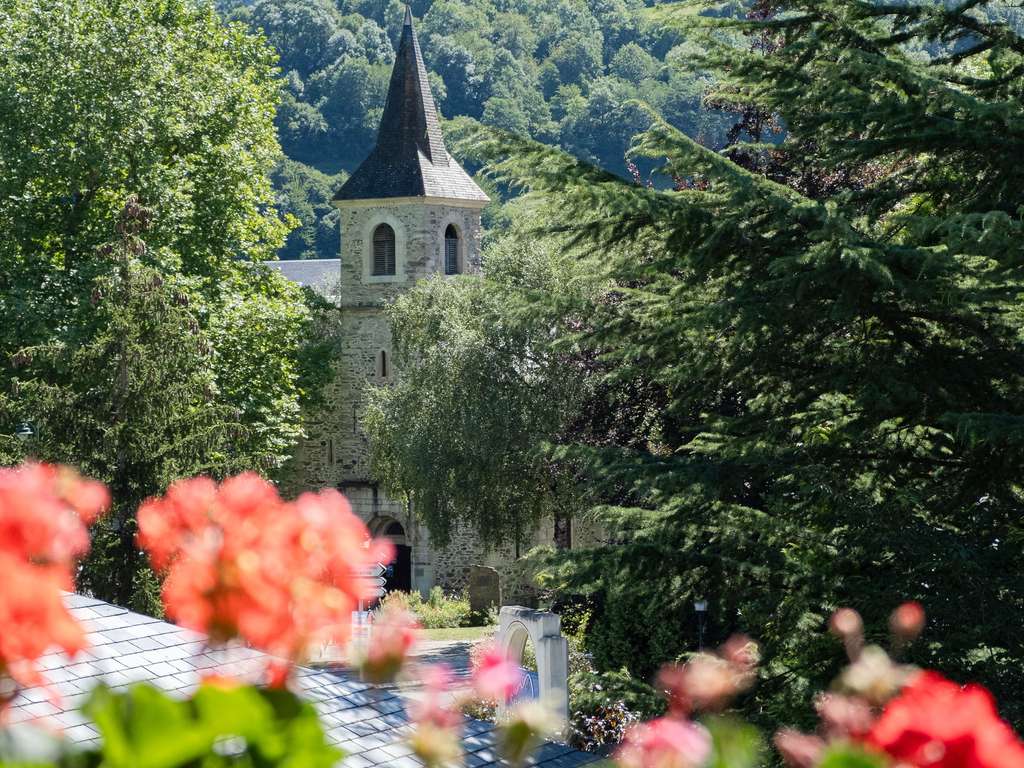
<point>569,73</point>
<point>564,72</point>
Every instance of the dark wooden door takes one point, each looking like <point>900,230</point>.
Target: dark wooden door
<point>399,574</point>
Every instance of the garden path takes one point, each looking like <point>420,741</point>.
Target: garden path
<point>454,653</point>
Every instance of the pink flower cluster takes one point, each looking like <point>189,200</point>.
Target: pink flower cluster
<point>44,511</point>
<point>395,632</point>
<point>437,716</point>
<point>706,683</point>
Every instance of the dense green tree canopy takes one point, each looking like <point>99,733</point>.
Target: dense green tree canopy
<point>178,356</point>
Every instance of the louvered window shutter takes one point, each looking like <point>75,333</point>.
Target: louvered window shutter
<point>451,251</point>
<point>383,251</point>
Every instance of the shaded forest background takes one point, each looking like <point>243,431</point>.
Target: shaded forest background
<point>568,73</point>
<point>564,72</point>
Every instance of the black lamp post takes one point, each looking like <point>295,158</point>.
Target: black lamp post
<point>701,607</point>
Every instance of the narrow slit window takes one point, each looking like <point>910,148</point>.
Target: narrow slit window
<point>383,251</point>
<point>382,364</point>
<point>451,251</point>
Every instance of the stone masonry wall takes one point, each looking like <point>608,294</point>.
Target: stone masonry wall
<point>336,453</point>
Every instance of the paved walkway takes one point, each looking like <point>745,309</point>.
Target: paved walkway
<point>454,653</point>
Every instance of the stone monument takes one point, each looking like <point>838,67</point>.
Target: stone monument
<point>484,589</point>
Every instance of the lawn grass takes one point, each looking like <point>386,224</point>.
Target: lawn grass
<point>465,634</point>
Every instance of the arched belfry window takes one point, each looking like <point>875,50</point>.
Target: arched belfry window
<point>383,250</point>
<point>451,250</point>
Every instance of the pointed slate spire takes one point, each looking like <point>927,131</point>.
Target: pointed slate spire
<point>410,158</point>
<point>410,117</point>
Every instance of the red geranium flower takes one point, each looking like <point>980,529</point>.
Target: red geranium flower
<point>242,563</point>
<point>44,511</point>
<point>935,723</point>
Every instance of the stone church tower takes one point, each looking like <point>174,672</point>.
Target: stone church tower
<point>408,212</point>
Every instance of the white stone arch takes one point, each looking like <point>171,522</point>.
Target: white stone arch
<point>459,223</point>
<point>373,220</point>
<point>516,625</point>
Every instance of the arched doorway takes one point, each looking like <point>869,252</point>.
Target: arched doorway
<point>398,576</point>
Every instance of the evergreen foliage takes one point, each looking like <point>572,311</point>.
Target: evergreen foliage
<point>828,326</point>
<point>132,399</point>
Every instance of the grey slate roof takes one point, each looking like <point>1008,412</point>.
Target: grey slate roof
<point>321,274</point>
<point>369,724</point>
<point>410,158</point>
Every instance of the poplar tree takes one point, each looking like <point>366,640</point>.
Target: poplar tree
<point>831,322</point>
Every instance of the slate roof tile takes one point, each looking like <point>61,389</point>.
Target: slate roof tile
<point>323,275</point>
<point>410,158</point>
<point>369,724</point>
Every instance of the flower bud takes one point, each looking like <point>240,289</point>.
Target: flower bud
<point>907,621</point>
<point>874,677</point>
<point>496,677</point>
<point>394,633</point>
<point>741,652</point>
<point>525,729</point>
<point>799,750</point>
<point>844,716</point>
<point>846,623</point>
<point>436,746</point>
<point>708,682</point>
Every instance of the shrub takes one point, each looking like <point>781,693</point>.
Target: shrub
<point>438,611</point>
<point>602,705</point>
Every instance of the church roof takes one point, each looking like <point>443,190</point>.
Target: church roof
<point>369,724</point>
<point>410,158</point>
<point>319,274</point>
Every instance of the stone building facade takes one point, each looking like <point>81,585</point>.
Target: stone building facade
<point>407,213</point>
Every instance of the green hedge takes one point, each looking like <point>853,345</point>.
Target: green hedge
<point>438,611</point>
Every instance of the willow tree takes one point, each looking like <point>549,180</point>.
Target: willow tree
<point>833,320</point>
<point>462,433</point>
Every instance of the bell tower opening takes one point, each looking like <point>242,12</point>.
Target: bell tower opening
<point>383,251</point>
<point>452,257</point>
